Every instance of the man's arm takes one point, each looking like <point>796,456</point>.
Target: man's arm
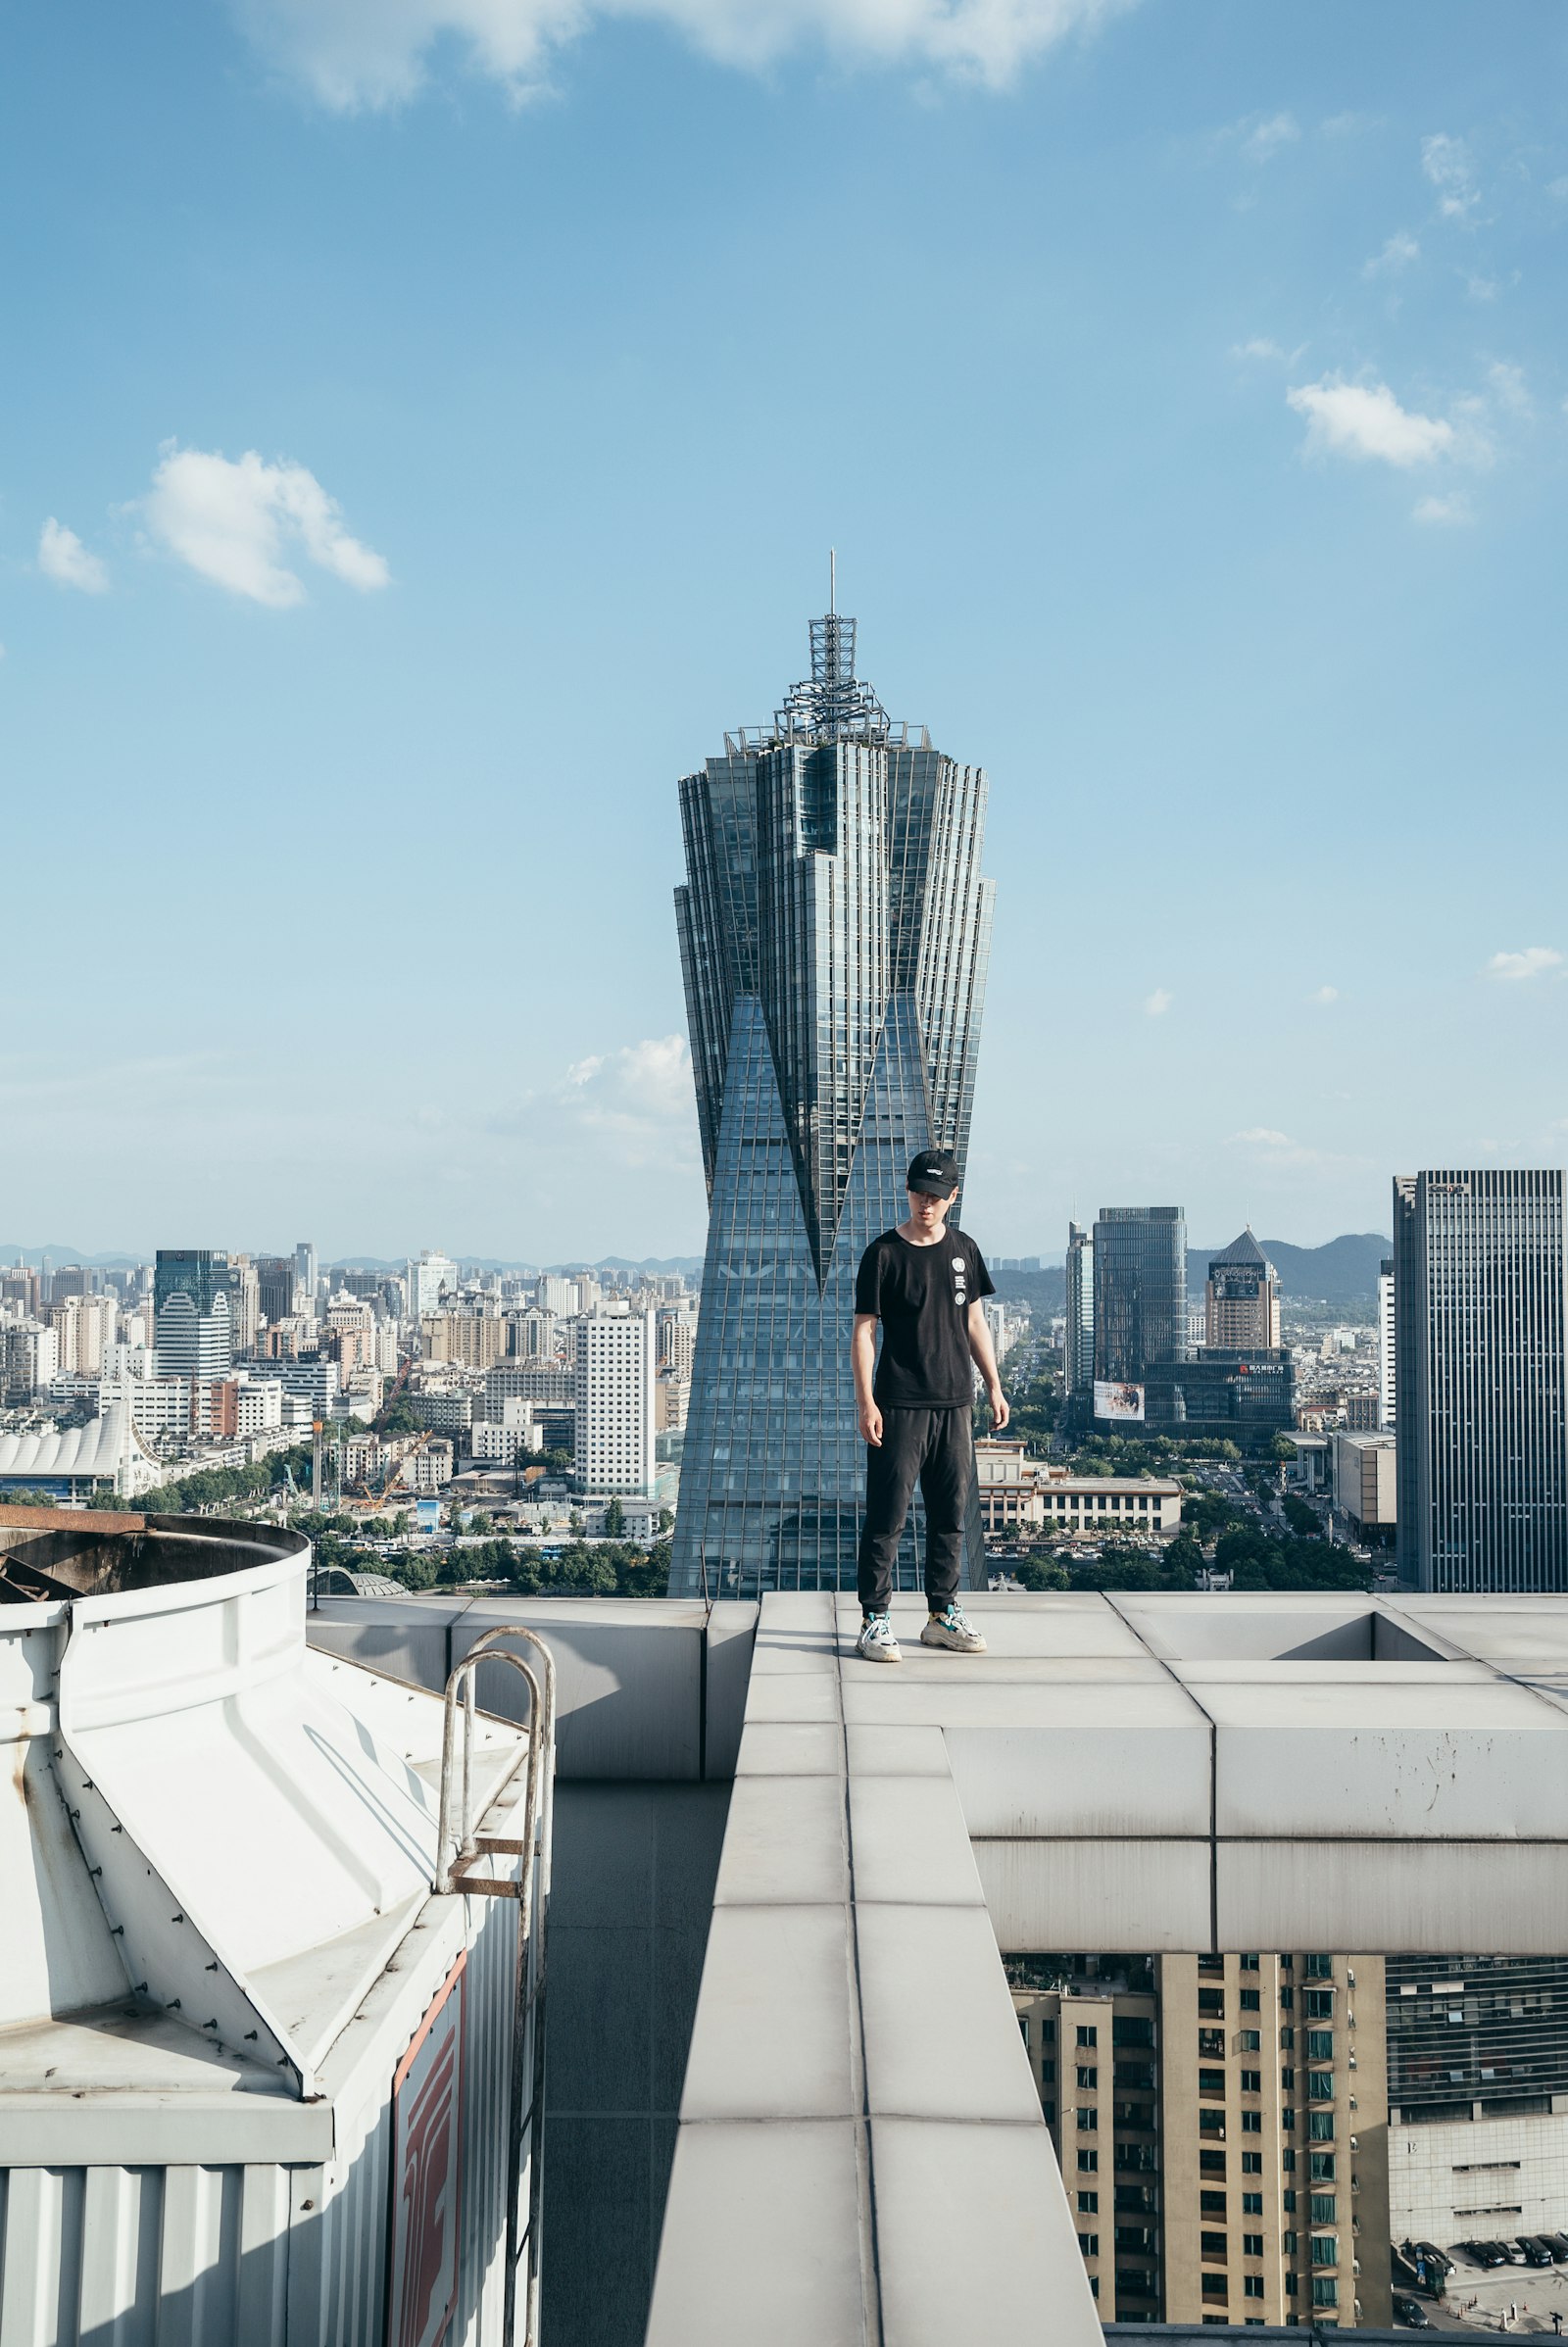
<point>863,1356</point>
<point>985,1360</point>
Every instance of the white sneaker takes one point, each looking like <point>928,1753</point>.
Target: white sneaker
<point>876,1641</point>
<point>954,1630</point>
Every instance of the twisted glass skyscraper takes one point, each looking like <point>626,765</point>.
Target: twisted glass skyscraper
<point>834,932</point>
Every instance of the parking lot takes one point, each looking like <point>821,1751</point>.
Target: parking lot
<point>1478,2302</point>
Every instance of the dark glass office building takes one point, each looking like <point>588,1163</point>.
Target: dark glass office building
<point>834,933</point>
<point>1140,1291</point>
<point>1479,1311</point>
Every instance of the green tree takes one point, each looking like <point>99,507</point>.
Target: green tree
<point>615,1520</point>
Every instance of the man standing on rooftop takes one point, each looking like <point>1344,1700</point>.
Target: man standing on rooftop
<point>924,1285</point>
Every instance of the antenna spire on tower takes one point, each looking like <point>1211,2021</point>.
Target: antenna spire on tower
<point>832,581</point>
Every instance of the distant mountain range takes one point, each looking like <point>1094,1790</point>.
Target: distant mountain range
<point>1343,1271</point>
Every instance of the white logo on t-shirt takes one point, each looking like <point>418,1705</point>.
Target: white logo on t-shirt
<point>958,1262</point>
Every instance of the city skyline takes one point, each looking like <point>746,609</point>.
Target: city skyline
<point>1238,518</point>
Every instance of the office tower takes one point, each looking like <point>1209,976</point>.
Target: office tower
<point>192,1313</point>
<point>192,1344</point>
<point>834,933</point>
<point>276,1281</point>
<point>72,1279</point>
<point>616,1363</point>
<point>1386,1385</point>
<point>428,1279</point>
<point>1478,2096</point>
<point>1479,1378</point>
<point>553,1293</point>
<point>305,1273</point>
<point>1221,2125</point>
<point>1140,1291</point>
<point>1242,1300</point>
<point>1078,1340</point>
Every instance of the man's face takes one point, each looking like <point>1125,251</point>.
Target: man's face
<point>928,1213</point>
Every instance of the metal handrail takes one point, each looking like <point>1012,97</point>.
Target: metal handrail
<point>454,1875</point>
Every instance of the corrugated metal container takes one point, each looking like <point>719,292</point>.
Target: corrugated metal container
<point>256,2075</point>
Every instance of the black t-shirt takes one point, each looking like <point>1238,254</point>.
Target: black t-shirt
<point>922,1295</point>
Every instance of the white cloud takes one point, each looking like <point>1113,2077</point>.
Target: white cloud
<point>1446,164</point>
<point>1263,135</point>
<point>353,53</point>
<point>1531,961</point>
<point>1265,1137</point>
<point>1324,995</point>
<point>1264,346</point>
<point>1159,1003</point>
<point>63,557</point>
<point>1443,512</point>
<point>233,521</point>
<point>1481,289</point>
<point>1398,253</point>
<point>1365,420</point>
<point>1509,389</point>
<point>638,1101</point>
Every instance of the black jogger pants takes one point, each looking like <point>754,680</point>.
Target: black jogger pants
<point>937,1447</point>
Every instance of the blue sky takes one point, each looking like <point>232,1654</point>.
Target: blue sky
<point>416,445</point>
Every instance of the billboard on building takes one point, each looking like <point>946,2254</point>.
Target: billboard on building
<point>1122,1403</point>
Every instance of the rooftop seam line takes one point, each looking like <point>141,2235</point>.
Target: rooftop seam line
<point>1214,1762</point>
<point>873,2310</point>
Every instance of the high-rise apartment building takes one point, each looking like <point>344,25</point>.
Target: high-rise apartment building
<point>1386,1388</point>
<point>834,934</point>
<point>1242,1300</point>
<point>1479,1310</point>
<point>84,1327</point>
<point>557,1294</point>
<point>616,1364</point>
<point>429,1278</point>
<point>1078,1340</point>
<point>1221,2124</point>
<point>1140,1291</point>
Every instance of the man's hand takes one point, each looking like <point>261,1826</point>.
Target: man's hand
<point>870,1425</point>
<point>1000,1410</point>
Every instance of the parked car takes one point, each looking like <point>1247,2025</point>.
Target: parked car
<point>1558,2243</point>
<point>1437,2261</point>
<point>1512,2252</point>
<point>1411,2312</point>
<point>1534,2250</point>
<point>1485,2253</point>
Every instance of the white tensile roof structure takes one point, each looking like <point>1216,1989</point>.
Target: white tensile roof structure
<point>107,1450</point>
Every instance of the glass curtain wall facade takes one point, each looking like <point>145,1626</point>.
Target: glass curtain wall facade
<point>1078,1336</point>
<point>1479,1371</point>
<point>1140,1291</point>
<point>834,935</point>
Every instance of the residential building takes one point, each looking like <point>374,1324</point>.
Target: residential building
<point>449,1409</point>
<point>85,1328</point>
<point>617,1365</point>
<point>557,1296</point>
<point>1479,1373</point>
<point>1221,2126</point>
<point>477,1340</point>
<point>30,1360</point>
<point>428,1468</point>
<point>1140,1293</point>
<point>834,933</point>
<point>1387,1390</point>
<point>428,1279</point>
<point>552,1382</point>
<point>531,1334</point>
<point>244,1300</point>
<point>1242,1300</point>
<point>677,1343</point>
<point>1478,2096</point>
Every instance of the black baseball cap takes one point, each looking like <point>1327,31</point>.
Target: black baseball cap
<point>935,1172</point>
